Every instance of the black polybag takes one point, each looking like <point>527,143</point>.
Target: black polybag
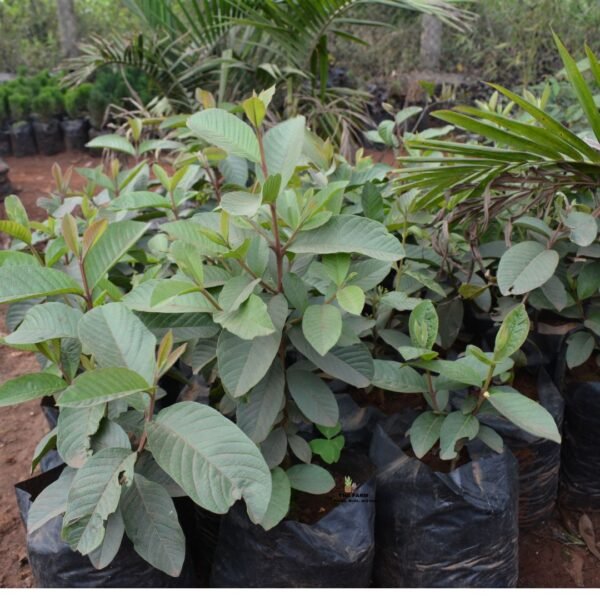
<point>5,147</point>
<point>48,137</point>
<point>549,345</point>
<point>538,458</point>
<point>22,140</point>
<point>54,564</point>
<point>50,410</point>
<point>357,422</point>
<point>476,322</point>
<point>204,542</point>
<point>336,551</point>
<point>5,185</point>
<point>444,530</point>
<point>580,467</point>
<point>75,132</point>
<point>52,458</point>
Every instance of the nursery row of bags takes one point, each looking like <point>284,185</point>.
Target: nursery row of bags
<point>47,137</point>
<point>400,522</point>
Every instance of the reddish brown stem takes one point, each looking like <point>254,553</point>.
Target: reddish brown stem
<point>263,160</point>
<point>86,288</point>
<point>214,180</point>
<point>149,415</point>
<point>278,249</point>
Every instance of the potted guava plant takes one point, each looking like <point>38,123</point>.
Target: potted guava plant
<point>449,460</point>
<point>280,272</point>
<point>540,183</point>
<point>124,460</point>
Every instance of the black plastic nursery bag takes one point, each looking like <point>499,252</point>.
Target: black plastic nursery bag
<point>75,132</point>
<point>54,564</point>
<point>48,137</point>
<point>357,422</point>
<point>22,140</point>
<point>580,470</point>
<point>5,146</point>
<point>337,551</point>
<point>538,458</point>
<point>444,530</point>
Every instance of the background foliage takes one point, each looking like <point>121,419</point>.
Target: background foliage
<point>509,42</point>
<point>29,29</point>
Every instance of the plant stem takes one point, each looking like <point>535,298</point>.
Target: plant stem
<point>210,298</point>
<point>483,392</point>
<point>278,249</point>
<point>36,254</point>
<point>173,205</point>
<point>148,418</point>
<point>255,276</point>
<point>432,393</point>
<point>257,229</point>
<point>214,180</point>
<point>86,288</point>
<point>261,148</point>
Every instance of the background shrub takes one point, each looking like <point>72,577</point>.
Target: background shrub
<point>77,100</point>
<point>48,102</point>
<point>19,105</point>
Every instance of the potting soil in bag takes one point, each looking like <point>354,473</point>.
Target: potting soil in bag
<point>580,467</point>
<point>54,564</point>
<point>444,530</point>
<point>22,140</point>
<point>538,458</point>
<point>336,551</point>
<point>48,137</point>
<point>75,133</point>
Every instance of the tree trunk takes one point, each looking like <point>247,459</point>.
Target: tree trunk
<point>431,43</point>
<point>67,27</point>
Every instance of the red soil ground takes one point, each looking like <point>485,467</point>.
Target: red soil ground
<point>552,555</point>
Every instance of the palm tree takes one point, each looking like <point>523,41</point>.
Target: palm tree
<point>230,47</point>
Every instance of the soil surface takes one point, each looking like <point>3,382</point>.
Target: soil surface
<point>310,508</point>
<point>22,426</point>
<point>554,554</point>
<point>588,371</point>
<point>20,429</point>
<point>31,177</point>
<point>526,383</point>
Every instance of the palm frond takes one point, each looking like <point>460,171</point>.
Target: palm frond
<point>522,163</point>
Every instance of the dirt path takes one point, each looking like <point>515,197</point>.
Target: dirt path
<point>31,176</point>
<point>20,428</point>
